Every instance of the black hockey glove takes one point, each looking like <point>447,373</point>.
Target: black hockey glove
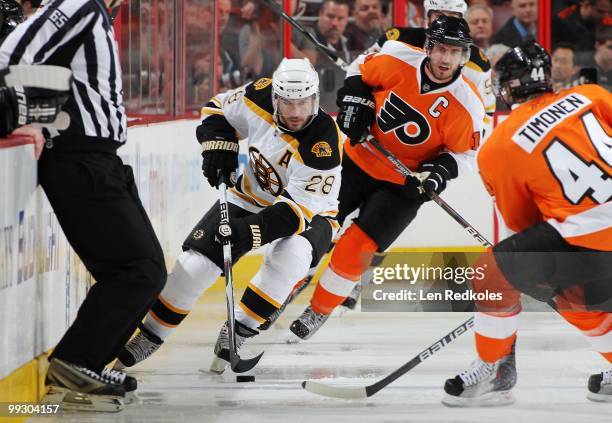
<point>220,158</point>
<point>21,106</point>
<point>437,172</point>
<point>357,109</point>
<point>243,233</point>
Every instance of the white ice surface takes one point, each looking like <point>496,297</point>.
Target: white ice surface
<point>553,361</point>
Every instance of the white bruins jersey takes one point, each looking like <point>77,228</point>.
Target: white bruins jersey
<point>301,169</point>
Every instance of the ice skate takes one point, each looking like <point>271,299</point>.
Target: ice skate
<point>351,301</point>
<point>129,383</point>
<point>308,323</point>
<point>600,387</point>
<point>297,289</point>
<point>222,358</point>
<point>82,389</point>
<point>138,349</point>
<point>483,384</point>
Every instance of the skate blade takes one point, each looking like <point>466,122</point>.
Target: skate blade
<point>76,401</point>
<point>218,365</point>
<point>599,397</point>
<point>490,399</point>
<point>130,398</point>
<point>292,339</point>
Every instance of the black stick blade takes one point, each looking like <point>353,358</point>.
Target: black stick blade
<point>240,365</point>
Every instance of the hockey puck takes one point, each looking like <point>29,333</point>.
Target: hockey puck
<point>243,378</point>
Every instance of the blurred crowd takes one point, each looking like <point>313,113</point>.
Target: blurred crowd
<point>248,44</point>
<point>251,33</point>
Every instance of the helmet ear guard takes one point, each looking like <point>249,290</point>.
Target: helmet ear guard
<point>523,72</point>
<point>295,79</point>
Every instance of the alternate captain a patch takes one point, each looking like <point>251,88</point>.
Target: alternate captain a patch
<point>322,149</point>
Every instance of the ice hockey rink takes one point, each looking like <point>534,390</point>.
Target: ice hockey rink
<point>356,349</point>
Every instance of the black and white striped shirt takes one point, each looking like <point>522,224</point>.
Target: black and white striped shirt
<point>76,34</point>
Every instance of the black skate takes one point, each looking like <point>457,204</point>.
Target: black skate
<point>308,323</point>
<point>222,359</point>
<point>138,349</point>
<point>79,388</point>
<point>483,384</point>
<point>297,290</point>
<point>129,383</point>
<point>351,301</point>
<point>600,387</point>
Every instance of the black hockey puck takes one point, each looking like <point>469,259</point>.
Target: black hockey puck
<point>243,378</point>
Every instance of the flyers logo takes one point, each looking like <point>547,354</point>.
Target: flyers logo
<point>408,124</point>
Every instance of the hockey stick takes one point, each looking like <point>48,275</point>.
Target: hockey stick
<point>322,48</point>
<point>368,391</point>
<point>237,364</point>
<point>403,169</point>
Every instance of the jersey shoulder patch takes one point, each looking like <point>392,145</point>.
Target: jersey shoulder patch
<point>479,59</point>
<point>320,143</point>
<point>260,93</point>
<point>413,36</point>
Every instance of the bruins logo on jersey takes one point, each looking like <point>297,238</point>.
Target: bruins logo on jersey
<point>262,83</point>
<point>267,177</point>
<point>392,34</point>
<point>321,149</point>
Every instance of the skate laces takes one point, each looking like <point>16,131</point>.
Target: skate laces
<point>94,375</point>
<point>311,319</point>
<point>114,375</point>
<point>224,338</point>
<point>477,372</point>
<point>141,347</point>
<point>607,377</point>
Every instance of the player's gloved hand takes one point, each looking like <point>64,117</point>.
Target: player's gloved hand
<point>436,172</point>
<point>21,106</point>
<point>411,188</point>
<point>220,158</point>
<point>357,109</point>
<point>243,233</point>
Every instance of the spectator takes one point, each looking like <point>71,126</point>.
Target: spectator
<point>259,40</point>
<point>585,18</point>
<point>494,53</point>
<point>480,19</point>
<point>522,26</point>
<point>602,61</point>
<point>368,25</point>
<point>564,68</point>
<point>329,30</point>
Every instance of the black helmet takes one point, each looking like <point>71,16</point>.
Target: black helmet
<point>523,72</point>
<point>11,15</point>
<point>449,30</point>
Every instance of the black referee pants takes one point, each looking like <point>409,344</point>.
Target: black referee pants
<point>95,199</point>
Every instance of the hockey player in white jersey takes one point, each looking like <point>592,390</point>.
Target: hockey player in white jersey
<point>286,197</point>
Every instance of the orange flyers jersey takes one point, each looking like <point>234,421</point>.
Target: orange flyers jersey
<point>551,160</point>
<point>414,126</point>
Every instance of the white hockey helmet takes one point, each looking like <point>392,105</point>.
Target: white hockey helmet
<point>456,6</point>
<point>295,79</point>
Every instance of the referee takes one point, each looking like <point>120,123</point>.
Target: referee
<point>94,197</point>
